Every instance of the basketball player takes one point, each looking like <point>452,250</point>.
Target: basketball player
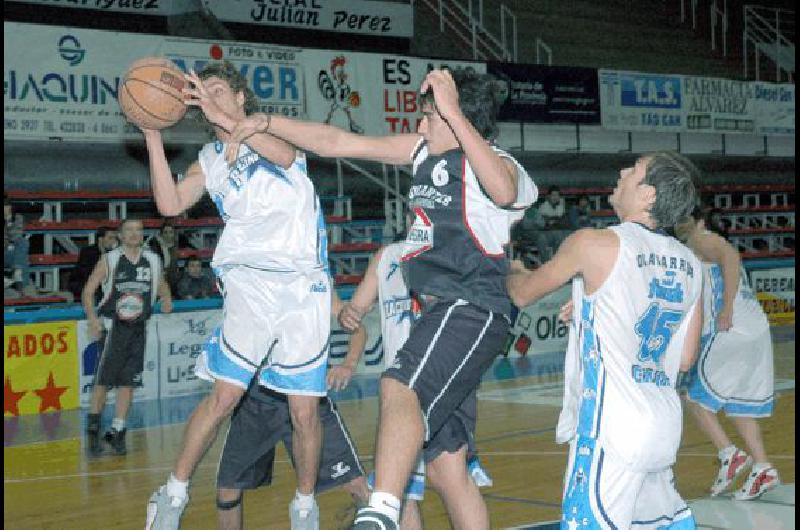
<point>637,298</point>
<point>383,281</point>
<point>271,263</point>
<point>734,370</point>
<point>465,194</point>
<point>261,420</point>
<point>130,277</point>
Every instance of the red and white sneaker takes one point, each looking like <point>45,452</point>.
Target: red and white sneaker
<point>758,483</point>
<point>730,468</point>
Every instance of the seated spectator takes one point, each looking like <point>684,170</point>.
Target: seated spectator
<point>580,215</point>
<point>16,263</point>
<point>553,225</point>
<point>105,240</point>
<point>195,282</point>
<point>165,245</point>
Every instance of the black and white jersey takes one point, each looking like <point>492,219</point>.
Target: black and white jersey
<point>455,248</point>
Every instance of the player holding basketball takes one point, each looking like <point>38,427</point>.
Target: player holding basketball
<point>383,281</point>
<point>271,263</point>
<point>734,370</point>
<point>637,298</point>
<point>465,194</point>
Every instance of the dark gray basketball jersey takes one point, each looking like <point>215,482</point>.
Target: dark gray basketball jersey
<point>131,297</point>
<point>456,245</point>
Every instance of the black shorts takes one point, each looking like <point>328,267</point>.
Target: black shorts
<point>122,360</point>
<point>259,423</point>
<point>447,352</point>
<point>458,431</point>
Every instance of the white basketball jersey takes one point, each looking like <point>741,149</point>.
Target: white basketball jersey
<point>272,215</point>
<point>630,336</point>
<point>394,300</point>
<point>747,312</point>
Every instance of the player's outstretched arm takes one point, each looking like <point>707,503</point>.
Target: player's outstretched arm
<point>325,140</point>
<point>171,198</point>
<point>497,175</point>
<point>714,248</point>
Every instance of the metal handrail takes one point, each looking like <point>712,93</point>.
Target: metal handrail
<point>540,45</point>
<point>717,13</point>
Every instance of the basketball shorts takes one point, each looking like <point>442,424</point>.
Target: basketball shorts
<point>449,348</point>
<point>734,373</point>
<point>459,431</point>
<point>122,359</point>
<point>278,321</point>
<point>259,423</point>
<point>600,492</point>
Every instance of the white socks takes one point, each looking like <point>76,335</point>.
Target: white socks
<point>303,501</point>
<point>387,504</point>
<point>177,488</point>
<point>118,424</point>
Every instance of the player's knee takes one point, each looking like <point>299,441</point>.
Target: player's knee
<point>305,415</point>
<point>228,499</point>
<point>393,392</point>
<point>223,400</point>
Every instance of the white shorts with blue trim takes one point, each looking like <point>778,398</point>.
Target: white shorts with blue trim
<point>415,488</point>
<point>734,373</point>
<point>275,322</point>
<point>600,492</point>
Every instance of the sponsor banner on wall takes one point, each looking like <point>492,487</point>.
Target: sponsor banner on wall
<point>90,351</point>
<point>635,101</point>
<point>537,329</point>
<point>774,289</point>
<point>181,338</point>
<point>714,105</point>
<point>137,7</point>
<point>385,19</point>
<point>774,108</point>
<point>548,94</point>
<point>342,89</point>
<point>40,368</point>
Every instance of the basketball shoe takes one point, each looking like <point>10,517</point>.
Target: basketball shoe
<point>760,481</point>
<point>164,512</point>
<point>93,434</point>
<point>371,519</point>
<point>116,439</point>
<point>304,519</point>
<point>733,462</point>
<point>479,474</point>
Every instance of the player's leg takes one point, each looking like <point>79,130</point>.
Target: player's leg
<point>128,377</point>
<point>763,477</point>
<point>229,509</point>
<point>708,422</point>
<point>99,392</point>
<point>306,440</point>
<point>449,476</point>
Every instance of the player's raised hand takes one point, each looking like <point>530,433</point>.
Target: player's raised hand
<point>350,317</point>
<point>244,129</point>
<point>445,93</point>
<point>197,94</point>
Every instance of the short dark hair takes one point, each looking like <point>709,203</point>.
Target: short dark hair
<point>551,189</point>
<point>479,97</point>
<point>673,176</point>
<point>129,220</point>
<point>226,71</point>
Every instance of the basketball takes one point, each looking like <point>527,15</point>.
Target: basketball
<point>150,93</point>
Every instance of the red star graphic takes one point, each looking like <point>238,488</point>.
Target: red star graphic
<point>50,394</point>
<point>11,398</point>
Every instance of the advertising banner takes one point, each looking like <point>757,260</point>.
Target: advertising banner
<point>714,105</point>
<point>40,368</point>
<point>136,7</point>
<point>181,337</point>
<point>548,94</point>
<point>90,351</point>
<point>635,101</point>
<point>774,288</point>
<point>385,19</point>
<point>537,329</point>
<point>774,109</point>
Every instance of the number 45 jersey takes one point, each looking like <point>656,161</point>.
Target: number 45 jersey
<point>625,350</point>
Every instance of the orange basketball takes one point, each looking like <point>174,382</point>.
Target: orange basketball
<point>150,93</point>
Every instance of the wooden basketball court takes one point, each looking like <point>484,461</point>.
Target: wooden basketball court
<point>50,483</point>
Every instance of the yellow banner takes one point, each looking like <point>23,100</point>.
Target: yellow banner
<point>779,310</point>
<point>40,368</point>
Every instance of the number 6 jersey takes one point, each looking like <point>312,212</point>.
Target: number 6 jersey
<point>625,350</point>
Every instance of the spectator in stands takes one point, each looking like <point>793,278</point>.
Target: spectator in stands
<point>15,255</point>
<point>105,240</point>
<point>580,215</point>
<point>165,245</point>
<point>552,224</point>
<point>195,282</point>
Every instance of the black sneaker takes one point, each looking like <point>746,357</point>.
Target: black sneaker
<point>93,439</point>
<point>116,439</point>
<point>371,519</point>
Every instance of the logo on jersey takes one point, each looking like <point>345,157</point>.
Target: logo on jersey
<point>339,470</point>
<point>130,306</point>
<point>319,287</point>
<point>420,236</point>
<point>439,175</point>
<point>398,308</point>
<point>667,289</point>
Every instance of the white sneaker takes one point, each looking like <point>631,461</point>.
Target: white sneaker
<point>479,475</point>
<point>730,469</point>
<point>304,519</point>
<point>164,512</point>
<point>758,483</point>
